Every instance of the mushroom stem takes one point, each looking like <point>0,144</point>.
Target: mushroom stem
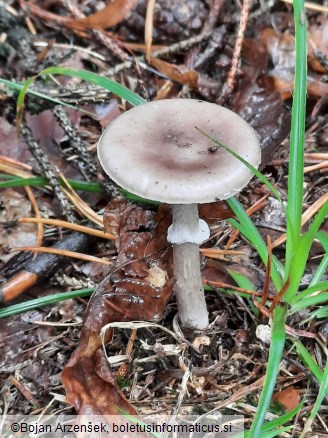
<point>188,288</point>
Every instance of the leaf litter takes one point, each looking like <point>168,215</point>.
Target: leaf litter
<point>132,291</point>
<point>227,364</point>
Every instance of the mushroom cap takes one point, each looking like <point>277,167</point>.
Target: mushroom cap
<point>156,152</point>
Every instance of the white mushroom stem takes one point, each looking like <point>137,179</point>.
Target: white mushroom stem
<point>186,233</point>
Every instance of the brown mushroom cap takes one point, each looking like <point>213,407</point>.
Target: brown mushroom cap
<point>156,152</point>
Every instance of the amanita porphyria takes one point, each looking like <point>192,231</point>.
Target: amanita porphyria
<point>156,152</point>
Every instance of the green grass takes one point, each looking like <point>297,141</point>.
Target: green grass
<point>296,157</point>
<point>14,181</point>
<point>298,244</point>
<point>286,273</point>
<point>275,355</point>
<point>108,84</point>
<point>43,301</point>
<point>17,86</point>
<point>85,186</point>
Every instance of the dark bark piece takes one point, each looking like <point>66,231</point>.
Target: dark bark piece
<point>45,265</point>
<point>42,266</point>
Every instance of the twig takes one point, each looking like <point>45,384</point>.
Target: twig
<point>221,285</point>
<point>231,80</point>
<point>24,391</point>
<point>214,45</point>
<point>79,146</point>
<point>46,167</point>
<point>70,226</point>
<point>149,28</point>
<point>76,94</point>
<point>81,149</point>
<point>63,252</point>
<point>168,50</point>
<point>320,166</point>
<point>43,266</point>
<point>37,214</point>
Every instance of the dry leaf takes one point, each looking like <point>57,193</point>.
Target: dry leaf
<point>112,14</point>
<point>282,52</point>
<point>318,36</point>
<point>121,216</point>
<point>180,74</point>
<point>138,289</point>
<point>156,276</point>
<point>289,397</point>
<point>262,107</point>
<point>215,271</point>
<point>215,211</point>
<point>201,340</point>
<point>87,377</point>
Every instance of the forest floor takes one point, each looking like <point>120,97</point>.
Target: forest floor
<point>241,56</point>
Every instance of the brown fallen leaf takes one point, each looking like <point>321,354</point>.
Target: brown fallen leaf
<point>112,14</point>
<point>215,211</point>
<point>318,37</point>
<point>132,256</point>
<point>177,73</point>
<point>289,397</point>
<point>121,216</point>
<point>263,108</point>
<point>89,383</point>
<point>258,102</point>
<point>282,52</point>
<point>138,288</point>
<point>215,271</point>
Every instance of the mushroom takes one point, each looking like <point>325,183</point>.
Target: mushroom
<point>156,152</point>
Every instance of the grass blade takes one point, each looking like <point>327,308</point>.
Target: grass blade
<point>241,280</point>
<point>19,86</point>
<point>248,229</point>
<point>317,404</point>
<point>255,171</point>
<point>94,78</point>
<point>301,253</point>
<point>84,186</point>
<point>322,268</point>
<point>43,301</point>
<point>307,302</point>
<point>42,182</point>
<point>296,160</point>
<point>322,286</point>
<point>308,361</point>
<point>275,355</point>
<point>271,426</point>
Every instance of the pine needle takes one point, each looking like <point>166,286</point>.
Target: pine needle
<point>63,252</point>
<point>70,226</point>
